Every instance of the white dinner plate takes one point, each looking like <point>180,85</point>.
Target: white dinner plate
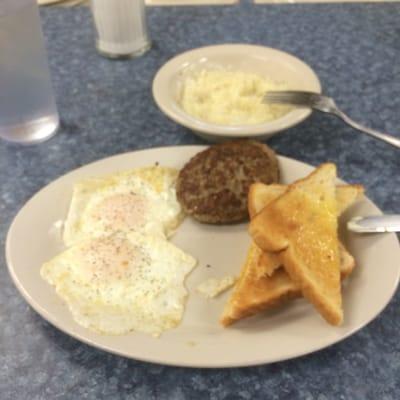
<point>200,341</point>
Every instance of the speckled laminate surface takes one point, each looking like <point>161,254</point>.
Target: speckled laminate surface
<point>106,108</point>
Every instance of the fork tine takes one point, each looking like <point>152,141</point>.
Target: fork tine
<point>289,97</point>
<point>290,93</point>
<point>281,98</point>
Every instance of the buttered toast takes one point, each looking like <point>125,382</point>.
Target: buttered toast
<point>261,195</point>
<point>256,290</point>
<point>254,293</point>
<point>302,226</point>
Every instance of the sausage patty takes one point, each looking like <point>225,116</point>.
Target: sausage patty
<point>213,185</point>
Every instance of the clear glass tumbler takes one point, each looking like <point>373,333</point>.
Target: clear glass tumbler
<point>28,112</point>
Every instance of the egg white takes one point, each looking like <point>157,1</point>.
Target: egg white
<point>143,200</point>
<point>122,282</point>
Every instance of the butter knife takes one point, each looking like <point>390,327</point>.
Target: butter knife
<point>375,224</point>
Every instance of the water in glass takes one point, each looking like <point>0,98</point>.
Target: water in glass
<point>28,112</point>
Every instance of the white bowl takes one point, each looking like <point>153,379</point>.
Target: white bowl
<point>271,63</point>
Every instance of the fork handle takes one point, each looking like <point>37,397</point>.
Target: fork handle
<point>372,132</point>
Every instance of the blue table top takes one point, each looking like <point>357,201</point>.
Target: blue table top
<point>106,108</point>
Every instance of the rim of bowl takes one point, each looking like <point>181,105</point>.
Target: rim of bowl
<point>171,108</point>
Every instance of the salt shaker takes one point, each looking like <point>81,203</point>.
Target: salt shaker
<point>121,27</point>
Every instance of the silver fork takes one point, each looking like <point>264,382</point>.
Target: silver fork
<point>326,105</point>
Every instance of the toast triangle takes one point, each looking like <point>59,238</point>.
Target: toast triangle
<point>302,226</point>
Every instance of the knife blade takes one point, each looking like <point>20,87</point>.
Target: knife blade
<point>375,224</point>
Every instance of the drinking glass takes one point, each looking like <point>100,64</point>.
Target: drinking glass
<point>28,112</point>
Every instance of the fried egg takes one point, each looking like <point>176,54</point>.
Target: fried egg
<point>142,200</point>
<point>122,282</point>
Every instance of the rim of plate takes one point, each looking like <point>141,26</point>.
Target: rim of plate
<point>158,360</point>
<point>164,99</point>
